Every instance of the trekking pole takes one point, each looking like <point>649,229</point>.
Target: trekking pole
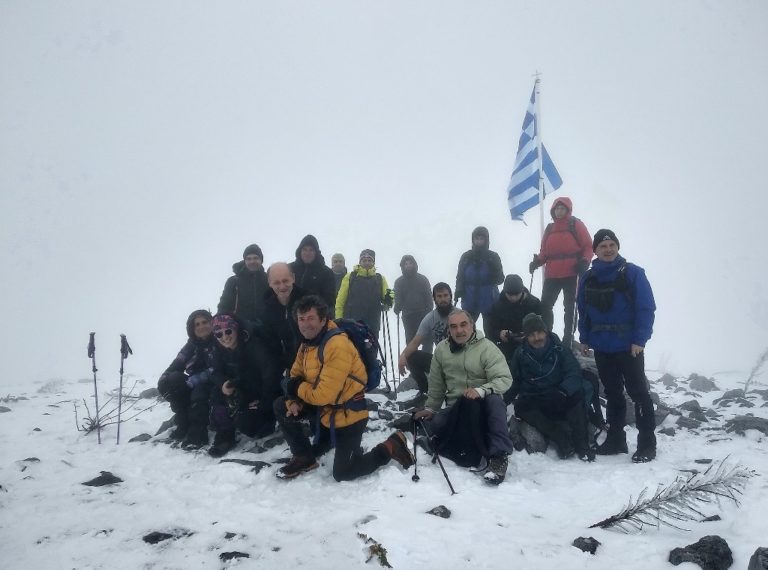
<point>415,477</point>
<point>436,456</point>
<point>383,346</point>
<point>125,350</point>
<point>92,356</point>
<point>395,372</point>
<point>398,336</point>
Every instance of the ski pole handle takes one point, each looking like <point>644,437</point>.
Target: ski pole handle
<point>125,348</point>
<point>92,346</point>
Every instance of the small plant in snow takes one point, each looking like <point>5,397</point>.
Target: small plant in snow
<point>108,412</point>
<point>756,370</point>
<point>679,501</point>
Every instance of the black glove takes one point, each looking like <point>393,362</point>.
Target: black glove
<point>581,266</point>
<point>535,264</point>
<point>292,387</point>
<point>389,298</point>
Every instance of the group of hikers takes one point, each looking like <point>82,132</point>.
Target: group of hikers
<point>278,355</point>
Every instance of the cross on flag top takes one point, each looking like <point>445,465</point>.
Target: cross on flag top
<point>523,188</point>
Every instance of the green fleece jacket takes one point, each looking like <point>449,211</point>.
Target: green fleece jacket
<point>479,364</point>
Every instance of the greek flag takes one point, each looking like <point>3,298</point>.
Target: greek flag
<point>523,189</point>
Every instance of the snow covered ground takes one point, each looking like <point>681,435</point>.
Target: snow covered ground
<point>50,520</point>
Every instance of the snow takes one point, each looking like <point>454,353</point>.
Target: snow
<point>50,520</point>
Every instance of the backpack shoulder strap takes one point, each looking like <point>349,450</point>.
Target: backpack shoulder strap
<point>326,337</point>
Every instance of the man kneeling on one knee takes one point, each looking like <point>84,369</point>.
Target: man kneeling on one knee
<point>549,390</point>
<point>329,391</point>
<point>468,368</point>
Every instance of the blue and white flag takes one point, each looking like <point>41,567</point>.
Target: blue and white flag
<point>523,189</point>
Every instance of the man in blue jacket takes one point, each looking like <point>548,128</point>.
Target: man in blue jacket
<point>616,313</point>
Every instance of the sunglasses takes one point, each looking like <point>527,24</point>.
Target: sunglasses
<point>220,333</point>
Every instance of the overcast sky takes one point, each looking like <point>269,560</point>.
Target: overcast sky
<point>143,145</point>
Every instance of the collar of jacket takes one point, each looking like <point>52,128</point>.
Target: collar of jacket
<point>458,347</point>
<point>603,269</point>
<point>362,272</point>
<point>541,355</point>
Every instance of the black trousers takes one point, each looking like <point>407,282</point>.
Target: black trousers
<point>349,462</point>
<point>230,413</point>
<point>419,364</point>
<point>189,404</point>
<point>486,321</point>
<point>411,322</point>
<point>562,421</point>
<point>549,294</point>
<point>620,370</point>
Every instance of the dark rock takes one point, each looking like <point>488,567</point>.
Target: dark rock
<point>385,415</point>
<point>688,423</point>
<point>525,436</point>
<point>106,478</point>
<point>668,380</point>
<point>743,403</point>
<point>699,416</point>
<point>729,395</point>
<point>371,405</point>
<point>149,393</point>
<point>711,414</point>
<point>407,384</point>
<point>680,389</point>
<point>740,424</point>
<point>586,544</point>
<point>224,556</point>
<point>140,437</point>
<point>764,394</point>
<point>259,466</point>
<point>661,414</point>
<point>670,431</point>
<point>167,424</point>
<point>417,402</point>
<point>702,461</point>
<point>155,536</point>
<point>403,423</point>
<point>691,405</point>
<point>440,511</point>
<point>701,383</point>
<point>37,429</point>
<point>712,518</point>
<point>710,553</point>
<point>4,410</point>
<point>31,460</point>
<point>230,535</point>
<point>273,441</point>
<point>759,560</point>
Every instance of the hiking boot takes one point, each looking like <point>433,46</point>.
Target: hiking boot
<point>644,455</point>
<point>222,443</point>
<point>587,456</point>
<point>615,443</point>
<point>178,434</point>
<point>497,470</point>
<point>196,438</point>
<point>296,466</point>
<point>397,448</point>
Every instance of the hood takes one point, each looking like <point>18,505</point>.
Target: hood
<point>239,267</point>
<point>191,321</point>
<point>481,231</point>
<point>309,239</point>
<point>565,202</point>
<point>408,258</point>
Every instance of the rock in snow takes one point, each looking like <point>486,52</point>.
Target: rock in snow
<point>710,553</point>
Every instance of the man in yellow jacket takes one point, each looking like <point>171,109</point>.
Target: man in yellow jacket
<point>331,393</point>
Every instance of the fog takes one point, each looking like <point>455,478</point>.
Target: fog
<point>143,145</point>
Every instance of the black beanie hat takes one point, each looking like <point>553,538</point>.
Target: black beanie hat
<point>532,323</point>
<point>253,249</point>
<point>513,285</point>
<point>603,235</point>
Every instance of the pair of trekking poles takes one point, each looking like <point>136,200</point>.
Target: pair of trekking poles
<point>386,337</point>
<point>435,456</point>
<point>125,350</point>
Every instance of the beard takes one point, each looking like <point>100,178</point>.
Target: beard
<point>444,310</point>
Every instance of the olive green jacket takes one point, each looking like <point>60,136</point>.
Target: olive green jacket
<point>479,364</point>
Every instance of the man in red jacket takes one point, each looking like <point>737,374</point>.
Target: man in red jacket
<point>566,250</point>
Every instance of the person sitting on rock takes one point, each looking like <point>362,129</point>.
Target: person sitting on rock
<point>186,383</point>
<point>469,374</point>
<point>246,379</point>
<point>549,390</point>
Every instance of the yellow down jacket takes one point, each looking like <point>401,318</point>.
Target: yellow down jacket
<point>331,384</point>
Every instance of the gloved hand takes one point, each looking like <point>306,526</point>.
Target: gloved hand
<point>581,266</point>
<point>292,387</point>
<point>195,380</point>
<point>535,264</point>
<point>389,299</point>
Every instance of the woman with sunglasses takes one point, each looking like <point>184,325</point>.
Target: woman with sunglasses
<point>246,380</point>
<point>186,383</point>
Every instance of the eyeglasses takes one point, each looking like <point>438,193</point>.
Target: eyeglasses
<point>220,333</point>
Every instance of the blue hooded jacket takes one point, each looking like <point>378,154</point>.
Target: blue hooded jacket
<point>629,320</point>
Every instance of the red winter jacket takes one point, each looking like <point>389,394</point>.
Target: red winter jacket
<point>560,249</point>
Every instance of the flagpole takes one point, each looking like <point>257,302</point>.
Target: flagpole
<point>537,107</point>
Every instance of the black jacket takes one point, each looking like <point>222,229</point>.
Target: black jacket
<point>506,315</point>
<point>196,355</point>
<point>279,328</point>
<point>315,278</point>
<point>251,368</point>
<point>244,292</point>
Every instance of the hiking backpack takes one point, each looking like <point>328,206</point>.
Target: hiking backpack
<point>571,228</point>
<point>366,344</point>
